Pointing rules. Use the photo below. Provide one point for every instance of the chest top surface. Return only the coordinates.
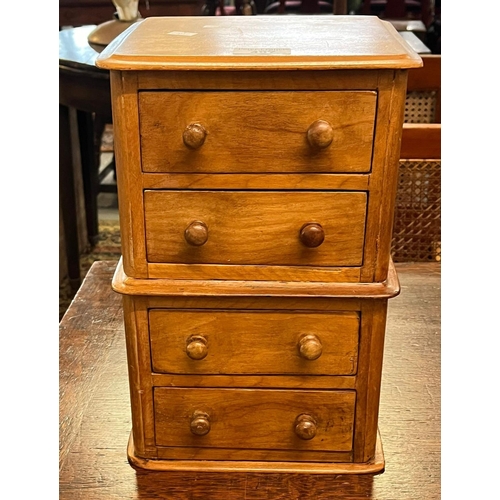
(259, 42)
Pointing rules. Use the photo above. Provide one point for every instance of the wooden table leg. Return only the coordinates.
(88, 135)
(67, 198)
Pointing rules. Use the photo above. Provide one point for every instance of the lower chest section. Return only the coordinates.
(255, 379)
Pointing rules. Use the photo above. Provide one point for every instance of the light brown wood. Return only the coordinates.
(251, 132)
(257, 272)
(254, 418)
(385, 85)
(128, 172)
(255, 381)
(307, 79)
(231, 456)
(95, 416)
(259, 42)
(256, 227)
(383, 181)
(239, 288)
(318, 182)
(254, 342)
(256, 315)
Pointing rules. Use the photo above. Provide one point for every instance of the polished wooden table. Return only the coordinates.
(95, 409)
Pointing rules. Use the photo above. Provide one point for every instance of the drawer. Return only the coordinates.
(253, 342)
(254, 418)
(253, 227)
(230, 132)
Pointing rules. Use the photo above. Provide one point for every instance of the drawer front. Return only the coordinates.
(272, 228)
(257, 131)
(253, 342)
(253, 418)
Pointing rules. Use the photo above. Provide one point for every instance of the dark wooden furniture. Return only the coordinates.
(84, 12)
(84, 108)
(400, 9)
(95, 420)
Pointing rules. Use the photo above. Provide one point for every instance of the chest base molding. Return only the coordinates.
(374, 466)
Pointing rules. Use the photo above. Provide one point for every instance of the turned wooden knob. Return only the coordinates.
(312, 235)
(197, 347)
(320, 134)
(194, 135)
(305, 426)
(310, 347)
(196, 233)
(200, 423)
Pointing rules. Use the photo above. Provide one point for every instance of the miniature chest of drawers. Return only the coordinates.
(257, 167)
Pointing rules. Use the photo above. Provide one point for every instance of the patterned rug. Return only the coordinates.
(108, 247)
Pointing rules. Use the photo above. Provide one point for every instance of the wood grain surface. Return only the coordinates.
(251, 419)
(252, 132)
(253, 342)
(255, 227)
(95, 418)
(259, 42)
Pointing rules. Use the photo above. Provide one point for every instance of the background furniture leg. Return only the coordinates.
(67, 198)
(89, 133)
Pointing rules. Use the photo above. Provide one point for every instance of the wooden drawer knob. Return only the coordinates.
(305, 426)
(194, 135)
(200, 423)
(197, 347)
(312, 235)
(320, 134)
(310, 347)
(196, 233)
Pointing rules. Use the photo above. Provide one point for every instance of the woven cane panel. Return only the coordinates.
(417, 221)
(420, 107)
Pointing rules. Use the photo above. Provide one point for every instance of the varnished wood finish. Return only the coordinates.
(195, 376)
(239, 288)
(256, 227)
(320, 134)
(194, 135)
(255, 419)
(273, 131)
(128, 172)
(318, 182)
(217, 460)
(238, 342)
(383, 167)
(196, 234)
(217, 94)
(310, 347)
(95, 418)
(326, 42)
(254, 342)
(312, 235)
(306, 426)
(196, 347)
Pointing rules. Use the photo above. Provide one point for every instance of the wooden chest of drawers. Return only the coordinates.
(257, 163)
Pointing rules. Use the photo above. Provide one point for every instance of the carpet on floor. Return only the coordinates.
(108, 247)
